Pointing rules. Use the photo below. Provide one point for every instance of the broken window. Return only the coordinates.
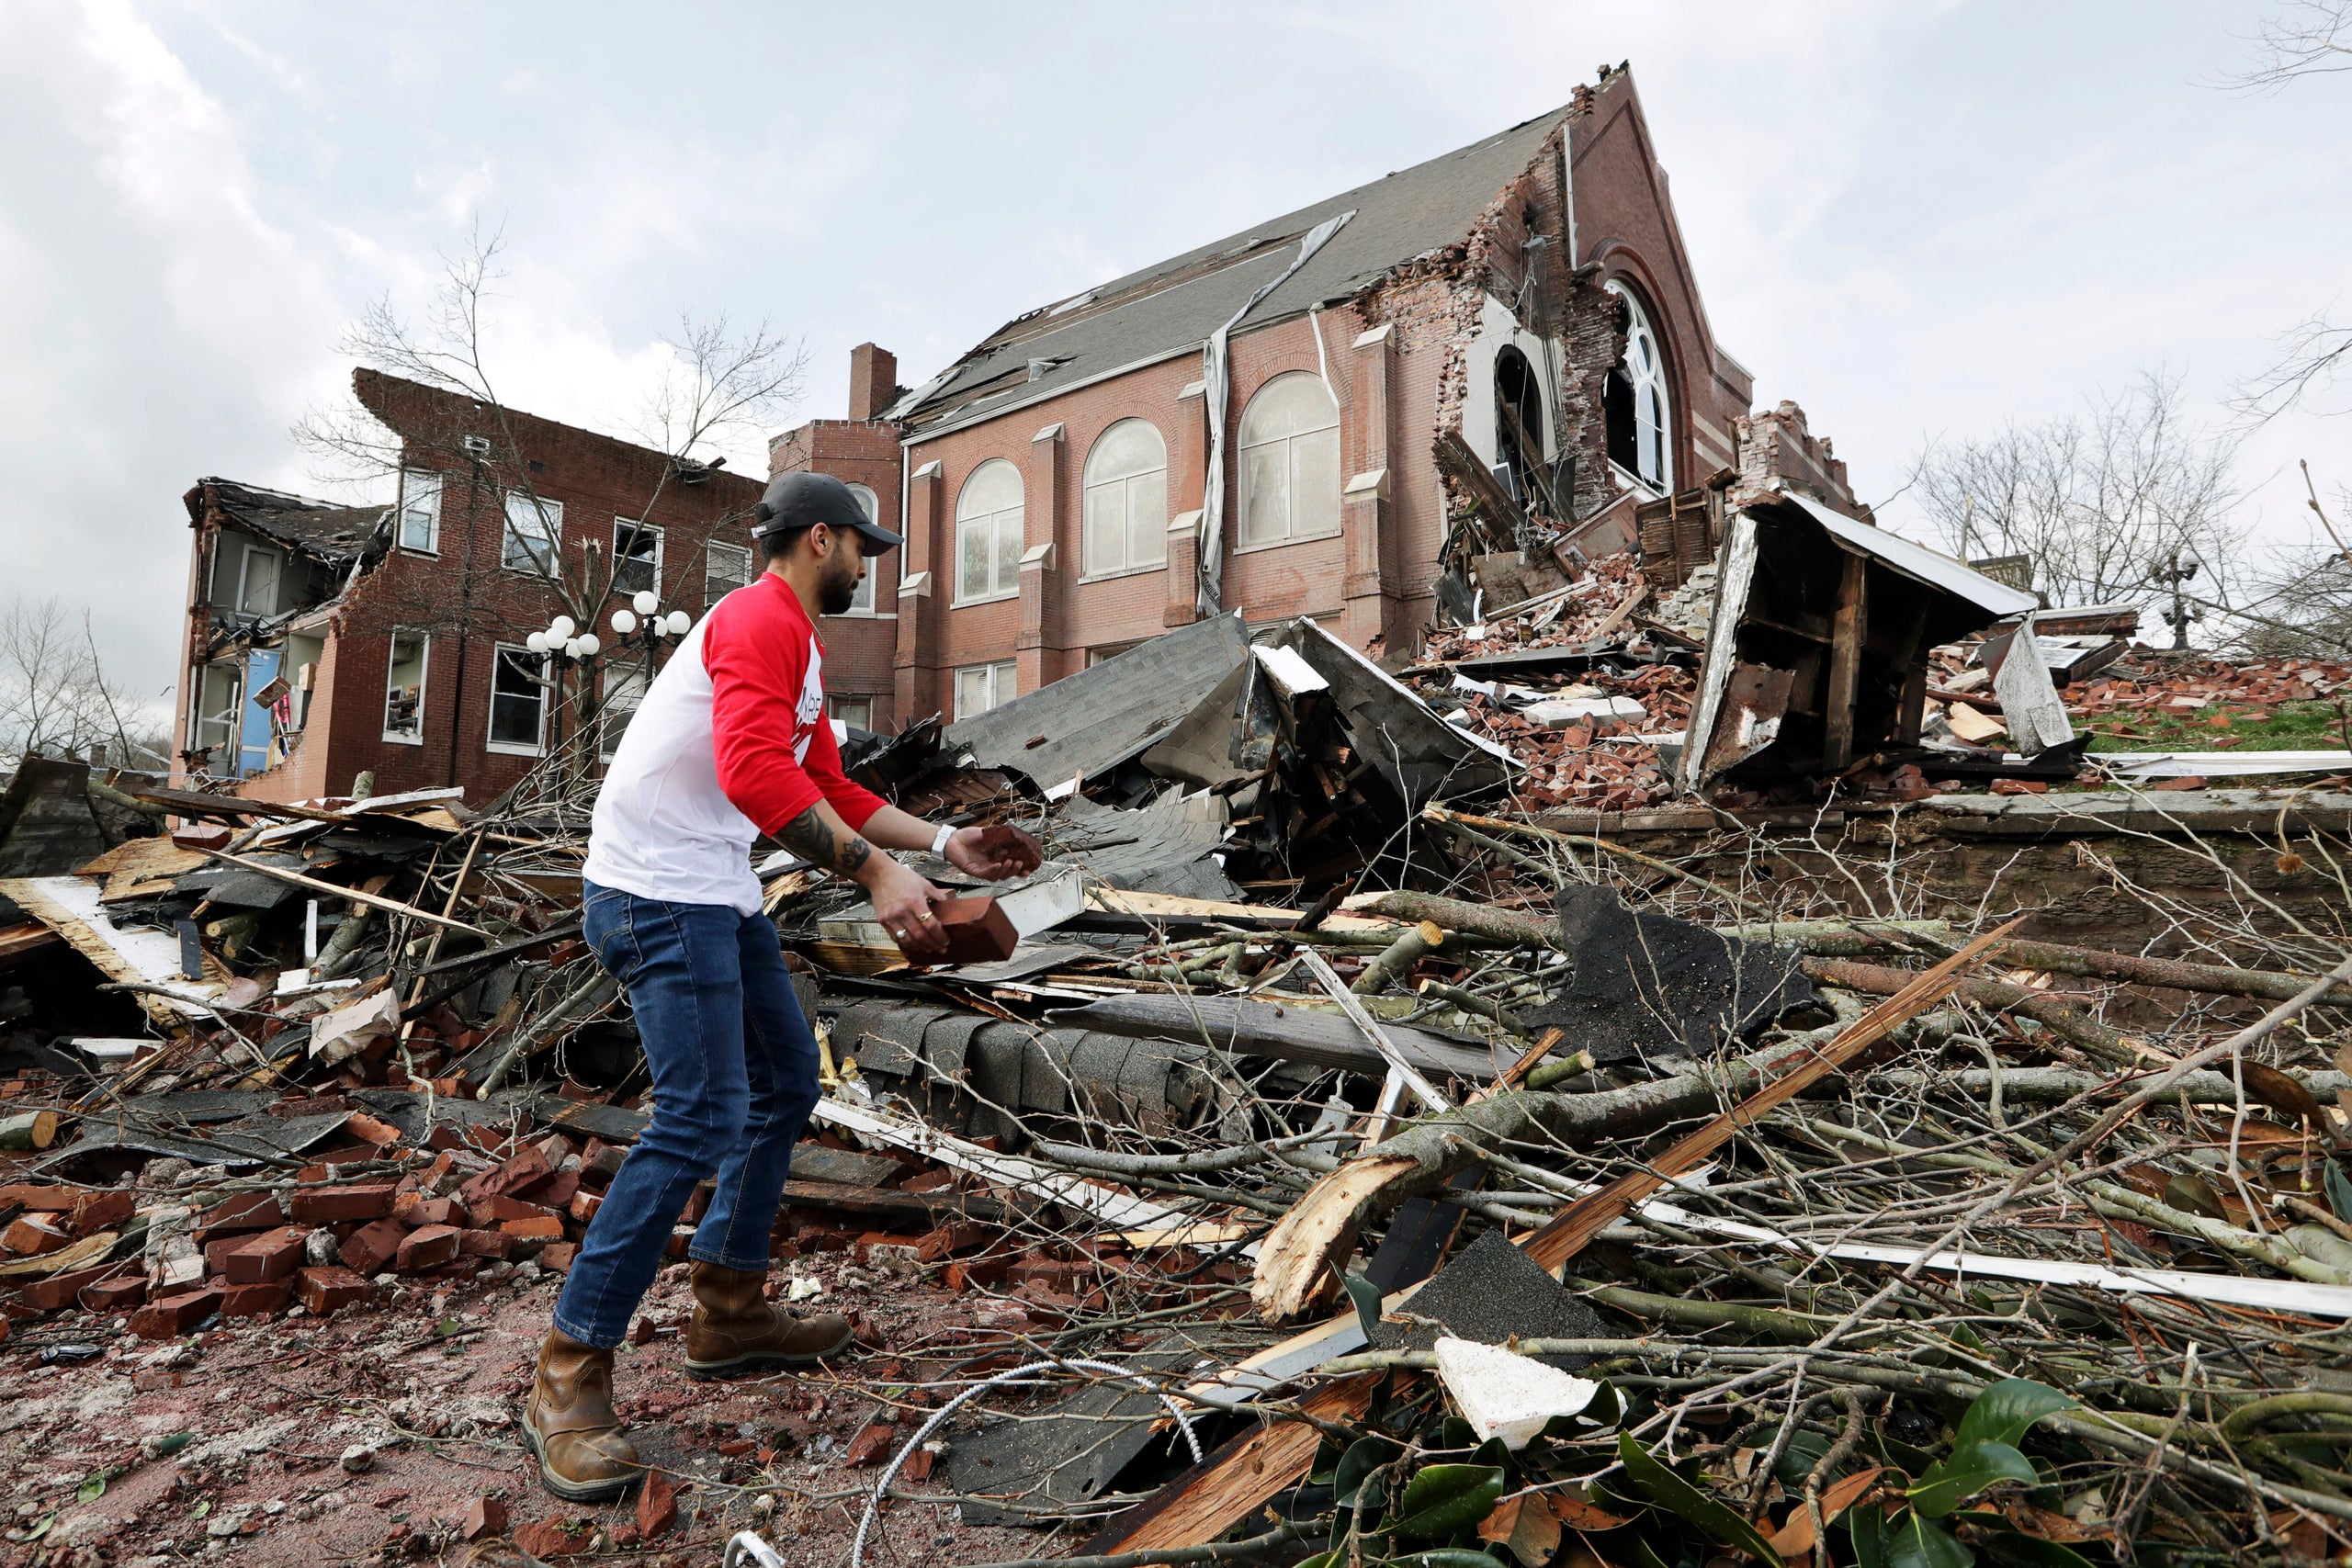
(1634, 400)
(1126, 500)
(636, 556)
(219, 714)
(624, 692)
(257, 581)
(988, 534)
(404, 688)
(518, 701)
(855, 712)
(725, 567)
(1290, 461)
(863, 604)
(1519, 425)
(421, 510)
(533, 526)
(980, 687)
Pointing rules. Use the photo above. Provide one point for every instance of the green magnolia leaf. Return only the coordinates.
(2016, 1551)
(1686, 1502)
(1321, 1560)
(1866, 1528)
(1442, 1498)
(91, 1490)
(1366, 1297)
(1967, 1472)
(2339, 1191)
(1363, 1456)
(41, 1528)
(2003, 1412)
(1447, 1557)
(1913, 1542)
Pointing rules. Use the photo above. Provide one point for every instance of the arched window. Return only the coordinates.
(988, 534)
(1634, 400)
(1126, 500)
(863, 603)
(1519, 419)
(1290, 461)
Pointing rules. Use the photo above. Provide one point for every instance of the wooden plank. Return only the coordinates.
(337, 890)
(139, 956)
(1845, 663)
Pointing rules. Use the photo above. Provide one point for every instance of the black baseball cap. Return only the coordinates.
(804, 500)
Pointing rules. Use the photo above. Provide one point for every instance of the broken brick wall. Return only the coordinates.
(859, 648)
(1777, 445)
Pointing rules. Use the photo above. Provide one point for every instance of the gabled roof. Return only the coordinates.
(1173, 306)
(319, 528)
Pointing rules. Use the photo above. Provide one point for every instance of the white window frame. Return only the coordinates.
(246, 576)
(710, 552)
(1289, 444)
(1648, 378)
(1098, 491)
(545, 524)
(1003, 679)
(624, 694)
(421, 497)
(526, 658)
(631, 525)
(423, 679)
(838, 707)
(863, 604)
(996, 522)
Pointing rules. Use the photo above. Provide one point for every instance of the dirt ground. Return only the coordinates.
(230, 1446)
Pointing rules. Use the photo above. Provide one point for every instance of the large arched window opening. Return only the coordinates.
(1519, 422)
(1290, 461)
(1633, 401)
(1126, 500)
(988, 534)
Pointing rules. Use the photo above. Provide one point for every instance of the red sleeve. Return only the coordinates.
(756, 648)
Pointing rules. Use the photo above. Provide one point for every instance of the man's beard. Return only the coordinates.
(837, 591)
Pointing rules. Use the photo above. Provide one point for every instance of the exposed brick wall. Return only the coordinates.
(1776, 444)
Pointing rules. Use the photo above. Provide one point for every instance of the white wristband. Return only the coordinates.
(939, 844)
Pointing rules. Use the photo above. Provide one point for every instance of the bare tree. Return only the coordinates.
(55, 694)
(720, 383)
(2301, 37)
(2105, 501)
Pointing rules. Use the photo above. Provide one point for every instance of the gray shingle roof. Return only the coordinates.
(319, 528)
(1176, 304)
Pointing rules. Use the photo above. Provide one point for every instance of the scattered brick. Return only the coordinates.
(657, 1506)
(545, 1228)
(519, 1177)
(681, 1238)
(870, 1446)
(560, 1192)
(370, 1248)
(40, 1200)
(558, 1256)
(366, 1129)
(273, 1254)
(497, 1211)
(32, 1235)
(557, 1537)
(977, 1273)
(60, 1291)
(584, 1205)
(434, 1211)
(487, 1516)
(327, 1205)
(122, 1295)
(94, 1212)
(917, 1467)
(485, 1244)
(329, 1290)
(173, 1316)
(259, 1299)
(428, 1247)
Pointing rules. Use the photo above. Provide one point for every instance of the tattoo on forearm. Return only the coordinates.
(807, 837)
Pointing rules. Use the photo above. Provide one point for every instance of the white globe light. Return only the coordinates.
(680, 623)
(561, 627)
(623, 622)
(645, 600)
(537, 642)
(588, 643)
(571, 648)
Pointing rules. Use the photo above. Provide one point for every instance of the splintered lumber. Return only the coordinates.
(1313, 964)
(336, 890)
(29, 1131)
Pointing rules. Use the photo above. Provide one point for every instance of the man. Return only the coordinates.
(730, 742)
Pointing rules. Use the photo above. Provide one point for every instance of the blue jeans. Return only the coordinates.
(734, 1078)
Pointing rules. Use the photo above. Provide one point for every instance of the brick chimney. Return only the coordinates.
(873, 380)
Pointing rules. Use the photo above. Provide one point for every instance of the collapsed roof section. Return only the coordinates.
(326, 532)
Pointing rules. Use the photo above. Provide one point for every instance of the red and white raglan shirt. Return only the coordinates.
(730, 742)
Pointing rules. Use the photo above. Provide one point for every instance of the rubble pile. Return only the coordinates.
(1337, 1161)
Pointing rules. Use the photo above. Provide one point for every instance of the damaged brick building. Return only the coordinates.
(327, 641)
(1262, 423)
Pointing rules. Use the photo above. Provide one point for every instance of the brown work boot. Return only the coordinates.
(736, 1330)
(570, 1422)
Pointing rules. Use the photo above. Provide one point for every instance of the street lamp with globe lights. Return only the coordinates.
(637, 625)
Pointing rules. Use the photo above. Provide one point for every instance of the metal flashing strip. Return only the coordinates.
(1915, 560)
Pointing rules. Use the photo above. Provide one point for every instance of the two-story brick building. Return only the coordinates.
(327, 641)
(1254, 423)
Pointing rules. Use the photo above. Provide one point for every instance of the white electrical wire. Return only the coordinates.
(882, 1484)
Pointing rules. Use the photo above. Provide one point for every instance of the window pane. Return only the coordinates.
(862, 603)
(636, 556)
(866, 499)
(1288, 405)
(1315, 494)
(724, 568)
(971, 692)
(1265, 506)
(1106, 509)
(517, 701)
(1008, 551)
(404, 688)
(532, 529)
(1127, 448)
(973, 540)
(258, 595)
(1147, 497)
(420, 511)
(995, 485)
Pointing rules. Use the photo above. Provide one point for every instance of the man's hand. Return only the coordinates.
(994, 854)
(902, 902)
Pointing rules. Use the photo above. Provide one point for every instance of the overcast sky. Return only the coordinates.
(1914, 219)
